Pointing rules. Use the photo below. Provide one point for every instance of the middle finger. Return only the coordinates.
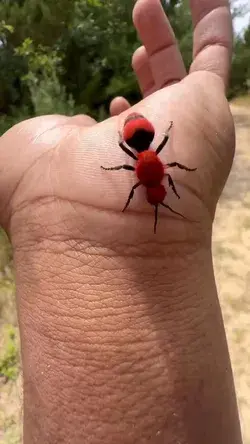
(157, 36)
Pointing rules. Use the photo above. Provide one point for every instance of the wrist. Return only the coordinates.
(137, 338)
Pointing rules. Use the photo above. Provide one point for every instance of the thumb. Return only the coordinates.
(20, 148)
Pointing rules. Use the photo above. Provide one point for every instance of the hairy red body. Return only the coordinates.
(135, 122)
(138, 133)
(149, 168)
(156, 195)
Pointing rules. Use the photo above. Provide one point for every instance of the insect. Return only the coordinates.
(138, 134)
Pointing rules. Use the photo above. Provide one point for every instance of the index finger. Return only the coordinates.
(213, 37)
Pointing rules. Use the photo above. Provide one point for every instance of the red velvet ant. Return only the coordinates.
(138, 133)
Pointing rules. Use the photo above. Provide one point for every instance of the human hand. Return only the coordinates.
(198, 98)
(197, 104)
(122, 338)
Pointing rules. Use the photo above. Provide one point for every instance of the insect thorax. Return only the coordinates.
(149, 169)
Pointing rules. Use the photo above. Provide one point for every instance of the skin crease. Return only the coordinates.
(121, 331)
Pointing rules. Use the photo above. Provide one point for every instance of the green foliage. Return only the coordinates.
(5, 30)
(11, 69)
(240, 75)
(240, 68)
(98, 48)
(9, 360)
(15, 116)
(44, 21)
(5, 250)
(181, 21)
(47, 93)
(75, 55)
(41, 60)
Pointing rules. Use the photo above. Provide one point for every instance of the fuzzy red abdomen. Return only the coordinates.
(156, 195)
(149, 169)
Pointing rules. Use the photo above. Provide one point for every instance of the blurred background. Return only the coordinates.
(74, 56)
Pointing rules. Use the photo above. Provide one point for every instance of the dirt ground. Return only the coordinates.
(231, 252)
(231, 249)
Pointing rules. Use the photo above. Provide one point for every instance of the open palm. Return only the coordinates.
(51, 164)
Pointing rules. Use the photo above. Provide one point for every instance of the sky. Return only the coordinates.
(241, 22)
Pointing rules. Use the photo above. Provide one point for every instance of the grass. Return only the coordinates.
(9, 366)
(10, 374)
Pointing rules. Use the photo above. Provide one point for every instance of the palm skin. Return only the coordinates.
(59, 158)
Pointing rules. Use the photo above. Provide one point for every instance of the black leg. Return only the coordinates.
(156, 218)
(131, 195)
(179, 165)
(175, 212)
(165, 139)
(172, 185)
(120, 167)
(124, 148)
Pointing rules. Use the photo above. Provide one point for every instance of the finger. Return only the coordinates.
(83, 120)
(143, 72)
(213, 37)
(118, 105)
(158, 38)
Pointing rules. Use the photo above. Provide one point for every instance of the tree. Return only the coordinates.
(75, 55)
